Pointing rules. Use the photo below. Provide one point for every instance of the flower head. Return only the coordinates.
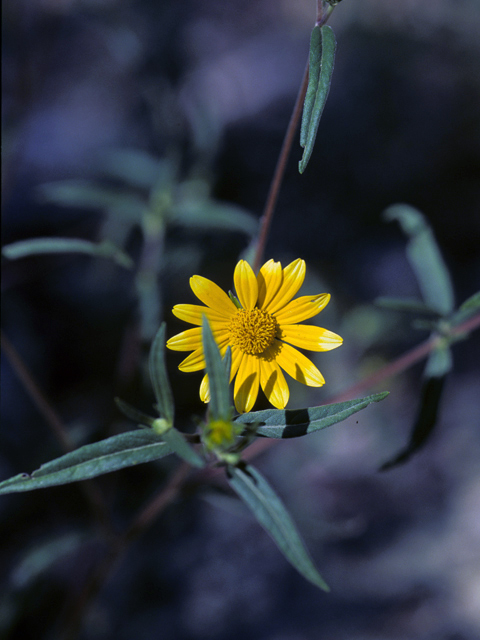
(262, 333)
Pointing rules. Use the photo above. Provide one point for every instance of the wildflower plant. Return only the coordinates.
(246, 340)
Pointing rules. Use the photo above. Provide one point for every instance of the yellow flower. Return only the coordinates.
(260, 333)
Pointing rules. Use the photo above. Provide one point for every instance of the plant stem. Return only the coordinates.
(89, 489)
(277, 179)
(116, 551)
(275, 185)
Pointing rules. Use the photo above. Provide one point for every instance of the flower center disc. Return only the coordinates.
(252, 331)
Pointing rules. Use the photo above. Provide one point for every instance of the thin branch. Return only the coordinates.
(117, 549)
(277, 179)
(399, 365)
(275, 185)
(90, 490)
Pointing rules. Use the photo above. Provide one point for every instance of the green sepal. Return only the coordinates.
(292, 423)
(177, 443)
(271, 513)
(43, 246)
(91, 460)
(425, 258)
(159, 377)
(320, 70)
(218, 371)
(234, 299)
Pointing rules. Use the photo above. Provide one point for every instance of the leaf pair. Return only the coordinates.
(437, 292)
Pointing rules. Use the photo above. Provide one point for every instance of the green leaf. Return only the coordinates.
(159, 377)
(218, 375)
(38, 246)
(118, 452)
(271, 513)
(86, 195)
(134, 414)
(439, 362)
(210, 215)
(180, 446)
(469, 308)
(425, 258)
(292, 423)
(135, 167)
(194, 207)
(322, 59)
(408, 305)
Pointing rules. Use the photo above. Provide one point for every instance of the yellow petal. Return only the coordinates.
(245, 285)
(302, 308)
(298, 366)
(188, 340)
(273, 383)
(211, 295)
(191, 339)
(269, 279)
(293, 277)
(194, 362)
(193, 313)
(205, 389)
(309, 337)
(246, 383)
(236, 359)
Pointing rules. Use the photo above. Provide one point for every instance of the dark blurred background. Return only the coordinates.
(206, 89)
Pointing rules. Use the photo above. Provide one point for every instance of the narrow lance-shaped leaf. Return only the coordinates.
(87, 195)
(320, 70)
(159, 377)
(134, 414)
(438, 365)
(407, 305)
(210, 215)
(39, 246)
(469, 308)
(425, 258)
(118, 452)
(271, 513)
(218, 375)
(292, 423)
(180, 446)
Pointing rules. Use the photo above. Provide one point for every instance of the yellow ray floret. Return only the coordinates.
(262, 333)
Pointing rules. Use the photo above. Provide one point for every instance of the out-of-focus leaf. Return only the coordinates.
(425, 258)
(438, 365)
(39, 246)
(86, 195)
(271, 513)
(439, 362)
(218, 375)
(124, 450)
(42, 556)
(320, 70)
(135, 167)
(210, 215)
(159, 377)
(180, 446)
(134, 414)
(468, 309)
(292, 423)
(408, 305)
